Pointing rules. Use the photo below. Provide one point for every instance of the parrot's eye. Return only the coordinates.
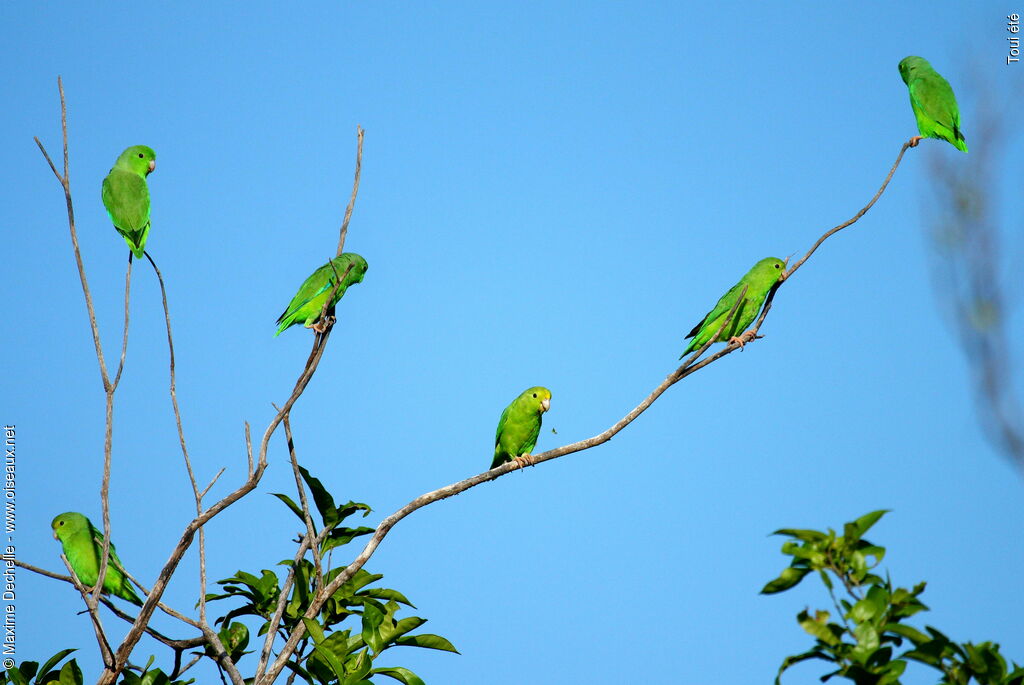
(776, 266)
(60, 522)
(535, 395)
(140, 155)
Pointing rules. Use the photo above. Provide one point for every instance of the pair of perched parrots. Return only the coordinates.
(126, 197)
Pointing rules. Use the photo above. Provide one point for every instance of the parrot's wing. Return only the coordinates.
(934, 97)
(310, 289)
(723, 306)
(126, 197)
(531, 439)
(501, 424)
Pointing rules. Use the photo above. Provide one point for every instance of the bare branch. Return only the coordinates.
(310, 531)
(212, 481)
(124, 338)
(101, 637)
(355, 191)
(856, 217)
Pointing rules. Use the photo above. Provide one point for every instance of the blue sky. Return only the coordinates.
(553, 193)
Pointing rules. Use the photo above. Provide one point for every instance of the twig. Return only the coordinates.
(124, 339)
(856, 217)
(282, 600)
(184, 447)
(94, 615)
(310, 531)
(355, 191)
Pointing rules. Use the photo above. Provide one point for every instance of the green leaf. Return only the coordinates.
(317, 633)
(818, 628)
(873, 605)
(16, 676)
(911, 633)
(385, 593)
(797, 658)
(50, 663)
(155, 677)
(300, 671)
(864, 523)
(314, 630)
(372, 619)
(322, 498)
(805, 535)
(867, 642)
(70, 674)
(402, 675)
(788, 578)
(427, 641)
(359, 669)
(342, 536)
(296, 509)
(406, 625)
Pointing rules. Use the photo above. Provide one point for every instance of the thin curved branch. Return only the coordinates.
(304, 503)
(124, 337)
(686, 369)
(856, 217)
(355, 191)
(197, 495)
(94, 614)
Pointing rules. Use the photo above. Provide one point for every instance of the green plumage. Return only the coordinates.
(305, 307)
(933, 102)
(519, 425)
(83, 546)
(126, 196)
(758, 281)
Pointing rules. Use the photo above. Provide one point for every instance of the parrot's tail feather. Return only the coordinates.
(960, 141)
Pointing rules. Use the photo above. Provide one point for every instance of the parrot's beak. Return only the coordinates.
(152, 166)
(55, 536)
(545, 404)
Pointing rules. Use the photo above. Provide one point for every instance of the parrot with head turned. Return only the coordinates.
(933, 102)
(126, 196)
(307, 304)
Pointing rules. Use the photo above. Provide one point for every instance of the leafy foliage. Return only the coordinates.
(30, 673)
(328, 653)
(871, 614)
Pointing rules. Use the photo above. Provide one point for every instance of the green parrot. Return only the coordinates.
(306, 305)
(933, 102)
(126, 196)
(758, 281)
(83, 546)
(519, 427)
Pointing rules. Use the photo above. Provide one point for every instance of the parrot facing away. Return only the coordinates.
(519, 427)
(83, 546)
(933, 102)
(306, 305)
(758, 281)
(126, 196)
